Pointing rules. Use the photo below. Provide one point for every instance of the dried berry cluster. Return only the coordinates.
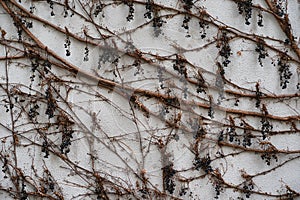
(157, 24)
(168, 173)
(260, 20)
(51, 3)
(179, 66)
(280, 7)
(47, 182)
(266, 127)
(185, 24)
(66, 12)
(233, 137)
(188, 4)
(248, 187)
(28, 24)
(32, 9)
(131, 11)
(33, 111)
(258, 95)
(139, 69)
(267, 157)
(183, 191)
(19, 30)
(66, 140)
(24, 194)
(149, 10)
(262, 53)
(67, 45)
(46, 66)
(67, 133)
(284, 71)
(203, 27)
(98, 9)
(86, 54)
(8, 106)
(45, 149)
(51, 103)
(245, 7)
(203, 163)
(247, 136)
(221, 136)
(4, 166)
(218, 190)
(225, 49)
(34, 65)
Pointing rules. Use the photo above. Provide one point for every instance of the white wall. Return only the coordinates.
(125, 111)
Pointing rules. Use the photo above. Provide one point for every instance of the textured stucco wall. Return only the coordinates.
(128, 145)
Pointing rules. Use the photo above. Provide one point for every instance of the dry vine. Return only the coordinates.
(92, 109)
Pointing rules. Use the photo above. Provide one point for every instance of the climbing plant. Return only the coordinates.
(149, 99)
